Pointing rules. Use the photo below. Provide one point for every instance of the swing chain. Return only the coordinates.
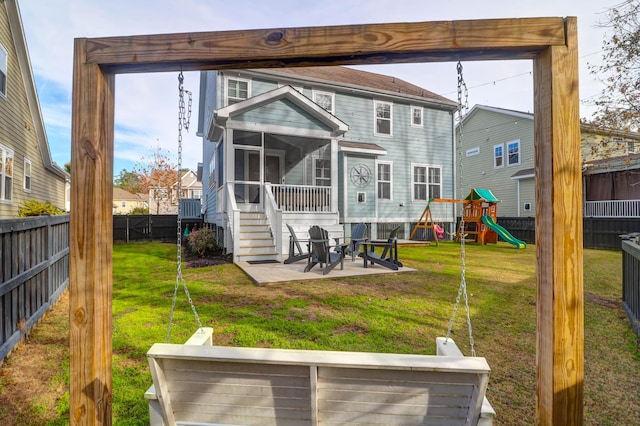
(462, 290)
(183, 122)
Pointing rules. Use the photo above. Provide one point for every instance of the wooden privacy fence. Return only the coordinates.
(631, 281)
(34, 271)
(149, 227)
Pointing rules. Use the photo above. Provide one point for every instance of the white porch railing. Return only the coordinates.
(301, 198)
(612, 208)
(274, 215)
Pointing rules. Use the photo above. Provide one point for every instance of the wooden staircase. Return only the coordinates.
(256, 238)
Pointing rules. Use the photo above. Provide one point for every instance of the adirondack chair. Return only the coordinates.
(200, 384)
(389, 255)
(358, 235)
(295, 249)
(322, 253)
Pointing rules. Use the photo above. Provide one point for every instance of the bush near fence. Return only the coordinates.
(34, 271)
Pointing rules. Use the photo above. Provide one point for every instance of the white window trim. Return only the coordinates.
(3, 154)
(375, 119)
(330, 94)
(5, 68)
(495, 166)
(361, 197)
(427, 183)
(30, 175)
(390, 163)
(226, 87)
(516, 141)
(417, 108)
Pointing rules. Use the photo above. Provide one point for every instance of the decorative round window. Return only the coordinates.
(360, 175)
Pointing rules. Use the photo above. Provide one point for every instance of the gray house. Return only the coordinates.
(328, 146)
(498, 154)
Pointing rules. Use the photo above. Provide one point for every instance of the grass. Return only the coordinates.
(387, 313)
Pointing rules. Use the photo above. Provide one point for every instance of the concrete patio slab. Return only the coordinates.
(279, 272)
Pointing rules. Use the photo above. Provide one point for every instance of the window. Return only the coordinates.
(513, 151)
(426, 182)
(324, 99)
(383, 111)
(6, 174)
(498, 156)
(527, 207)
(323, 172)
(124, 204)
(3, 71)
(383, 178)
(416, 116)
(27, 174)
(237, 90)
(361, 197)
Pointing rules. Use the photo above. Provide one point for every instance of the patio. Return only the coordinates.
(279, 272)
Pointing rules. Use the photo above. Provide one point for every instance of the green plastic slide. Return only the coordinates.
(503, 233)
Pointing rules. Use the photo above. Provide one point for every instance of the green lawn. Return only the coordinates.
(402, 312)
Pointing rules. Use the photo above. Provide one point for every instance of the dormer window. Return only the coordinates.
(238, 90)
(324, 99)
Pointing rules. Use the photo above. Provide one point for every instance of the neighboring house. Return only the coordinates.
(328, 146)
(498, 154)
(26, 168)
(124, 202)
(163, 201)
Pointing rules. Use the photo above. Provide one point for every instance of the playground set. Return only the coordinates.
(479, 211)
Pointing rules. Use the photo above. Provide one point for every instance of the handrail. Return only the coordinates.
(274, 215)
(233, 218)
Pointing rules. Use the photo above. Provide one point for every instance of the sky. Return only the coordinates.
(146, 112)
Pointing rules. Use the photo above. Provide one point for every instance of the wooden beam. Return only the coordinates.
(307, 46)
(91, 240)
(560, 343)
(553, 47)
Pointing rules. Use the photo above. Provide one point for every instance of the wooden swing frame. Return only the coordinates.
(550, 42)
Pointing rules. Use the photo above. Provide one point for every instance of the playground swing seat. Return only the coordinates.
(199, 384)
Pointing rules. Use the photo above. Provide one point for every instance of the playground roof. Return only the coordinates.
(480, 194)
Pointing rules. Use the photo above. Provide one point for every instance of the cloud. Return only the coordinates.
(146, 104)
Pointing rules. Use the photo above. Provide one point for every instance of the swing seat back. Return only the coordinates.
(210, 385)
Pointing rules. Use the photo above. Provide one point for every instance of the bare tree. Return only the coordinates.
(619, 102)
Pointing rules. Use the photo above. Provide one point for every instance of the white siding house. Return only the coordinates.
(328, 146)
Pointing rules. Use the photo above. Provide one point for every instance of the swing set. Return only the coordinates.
(330, 387)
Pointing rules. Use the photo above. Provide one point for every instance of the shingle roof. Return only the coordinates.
(361, 78)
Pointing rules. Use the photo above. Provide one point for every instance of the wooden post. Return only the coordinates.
(560, 343)
(91, 230)
(550, 42)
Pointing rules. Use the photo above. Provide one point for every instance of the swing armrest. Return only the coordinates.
(447, 347)
(202, 337)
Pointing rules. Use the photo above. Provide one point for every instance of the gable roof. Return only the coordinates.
(509, 112)
(19, 40)
(221, 115)
(362, 79)
(120, 194)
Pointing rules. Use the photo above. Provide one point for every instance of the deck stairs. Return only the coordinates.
(256, 238)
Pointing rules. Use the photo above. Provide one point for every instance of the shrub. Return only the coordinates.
(140, 210)
(38, 208)
(203, 242)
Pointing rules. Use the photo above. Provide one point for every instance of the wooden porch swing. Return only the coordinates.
(552, 45)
